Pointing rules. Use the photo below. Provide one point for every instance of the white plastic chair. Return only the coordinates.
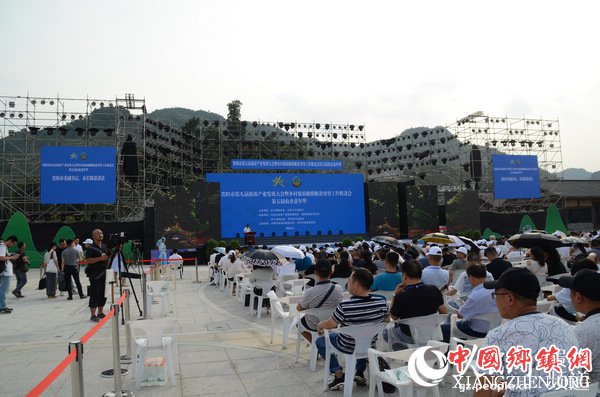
(342, 281)
(591, 392)
(321, 314)
(266, 287)
(405, 385)
(422, 329)
(456, 275)
(388, 295)
(296, 286)
(244, 287)
(213, 271)
(159, 289)
(363, 335)
(149, 337)
(288, 317)
(544, 306)
(493, 319)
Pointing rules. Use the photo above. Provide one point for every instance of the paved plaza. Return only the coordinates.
(223, 351)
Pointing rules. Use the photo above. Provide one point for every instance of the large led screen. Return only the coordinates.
(78, 175)
(516, 177)
(422, 210)
(384, 210)
(294, 204)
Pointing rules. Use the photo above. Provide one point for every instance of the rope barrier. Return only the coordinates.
(55, 373)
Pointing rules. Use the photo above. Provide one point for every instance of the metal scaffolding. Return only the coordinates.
(513, 136)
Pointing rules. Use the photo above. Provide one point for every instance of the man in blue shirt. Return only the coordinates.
(480, 301)
(434, 274)
(392, 277)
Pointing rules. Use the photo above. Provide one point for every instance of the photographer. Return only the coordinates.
(97, 262)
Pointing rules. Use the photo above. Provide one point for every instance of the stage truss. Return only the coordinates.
(513, 136)
(166, 155)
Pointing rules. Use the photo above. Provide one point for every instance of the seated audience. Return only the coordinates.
(388, 280)
(434, 274)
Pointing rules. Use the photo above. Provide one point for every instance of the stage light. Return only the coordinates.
(360, 127)
(43, 102)
(93, 131)
(326, 126)
(1, 115)
(33, 130)
(216, 123)
(51, 102)
(49, 130)
(12, 115)
(63, 130)
(494, 142)
(93, 103)
(108, 131)
(79, 131)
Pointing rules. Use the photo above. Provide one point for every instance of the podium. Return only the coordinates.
(249, 238)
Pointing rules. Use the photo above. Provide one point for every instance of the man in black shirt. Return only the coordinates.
(413, 299)
(497, 265)
(97, 262)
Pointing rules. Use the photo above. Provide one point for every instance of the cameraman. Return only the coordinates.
(97, 263)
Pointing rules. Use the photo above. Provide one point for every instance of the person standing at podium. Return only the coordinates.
(247, 229)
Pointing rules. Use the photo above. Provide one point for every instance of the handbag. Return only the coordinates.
(42, 282)
(51, 267)
(62, 284)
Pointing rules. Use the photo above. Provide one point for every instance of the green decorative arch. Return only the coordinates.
(488, 232)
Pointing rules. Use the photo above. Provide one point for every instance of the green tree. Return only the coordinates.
(234, 110)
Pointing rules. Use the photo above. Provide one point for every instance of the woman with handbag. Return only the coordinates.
(50, 264)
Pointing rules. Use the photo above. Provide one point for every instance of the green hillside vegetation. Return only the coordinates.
(177, 117)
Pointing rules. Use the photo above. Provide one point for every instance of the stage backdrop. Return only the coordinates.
(422, 210)
(384, 210)
(291, 204)
(462, 211)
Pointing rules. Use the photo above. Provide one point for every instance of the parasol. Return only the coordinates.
(264, 258)
(529, 240)
(438, 238)
(389, 241)
(288, 251)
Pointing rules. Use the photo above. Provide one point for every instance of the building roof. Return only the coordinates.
(573, 188)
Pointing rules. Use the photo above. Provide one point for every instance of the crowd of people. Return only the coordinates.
(491, 277)
(61, 269)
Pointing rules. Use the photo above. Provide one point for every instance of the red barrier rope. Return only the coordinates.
(55, 373)
(161, 260)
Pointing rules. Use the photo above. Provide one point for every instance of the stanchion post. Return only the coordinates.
(144, 295)
(116, 350)
(196, 266)
(127, 319)
(77, 369)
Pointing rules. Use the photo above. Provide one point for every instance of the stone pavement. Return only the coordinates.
(222, 350)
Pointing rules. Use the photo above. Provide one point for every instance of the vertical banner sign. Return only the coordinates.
(78, 175)
(516, 177)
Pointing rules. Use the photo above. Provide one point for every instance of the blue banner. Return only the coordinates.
(516, 177)
(256, 164)
(78, 175)
(291, 203)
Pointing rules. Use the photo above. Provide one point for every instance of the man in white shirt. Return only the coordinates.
(7, 272)
(434, 274)
(175, 259)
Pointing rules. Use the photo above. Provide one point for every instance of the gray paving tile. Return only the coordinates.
(223, 384)
(256, 381)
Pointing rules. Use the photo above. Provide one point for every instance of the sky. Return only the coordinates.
(390, 65)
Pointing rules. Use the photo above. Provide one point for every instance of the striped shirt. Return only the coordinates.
(358, 310)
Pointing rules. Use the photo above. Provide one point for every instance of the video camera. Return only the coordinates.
(117, 238)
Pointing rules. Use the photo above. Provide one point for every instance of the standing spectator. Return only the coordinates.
(20, 268)
(585, 296)
(6, 271)
(70, 263)
(361, 308)
(344, 268)
(79, 249)
(51, 266)
(62, 245)
(97, 262)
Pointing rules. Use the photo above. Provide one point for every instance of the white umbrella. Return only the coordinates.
(288, 251)
(457, 242)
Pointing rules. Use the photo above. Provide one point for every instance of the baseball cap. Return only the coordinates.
(518, 280)
(585, 282)
(88, 241)
(462, 250)
(302, 248)
(232, 252)
(330, 251)
(435, 251)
